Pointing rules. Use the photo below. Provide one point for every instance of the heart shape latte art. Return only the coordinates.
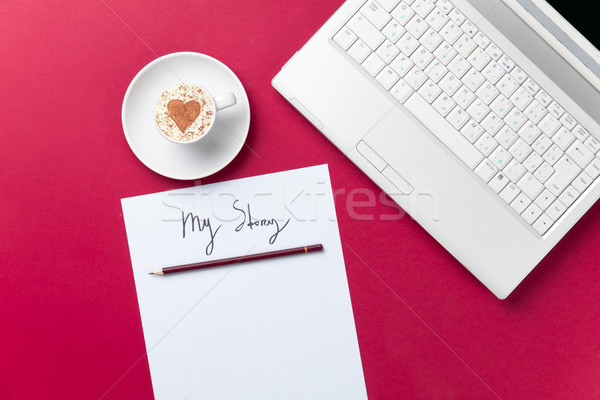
(184, 114)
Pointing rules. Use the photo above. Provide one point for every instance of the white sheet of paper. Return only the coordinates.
(280, 328)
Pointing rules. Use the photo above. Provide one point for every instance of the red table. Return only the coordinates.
(70, 322)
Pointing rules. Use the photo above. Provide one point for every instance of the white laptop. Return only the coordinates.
(480, 118)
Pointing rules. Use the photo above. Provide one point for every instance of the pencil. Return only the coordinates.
(238, 259)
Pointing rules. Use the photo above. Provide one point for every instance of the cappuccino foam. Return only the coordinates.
(184, 112)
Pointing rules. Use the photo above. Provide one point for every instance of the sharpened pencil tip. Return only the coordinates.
(150, 273)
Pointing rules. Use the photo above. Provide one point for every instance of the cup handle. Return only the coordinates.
(227, 100)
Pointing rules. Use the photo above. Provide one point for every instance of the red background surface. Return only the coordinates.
(70, 322)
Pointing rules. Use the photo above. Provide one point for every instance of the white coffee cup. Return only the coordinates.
(186, 112)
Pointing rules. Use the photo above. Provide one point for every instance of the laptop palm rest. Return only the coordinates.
(405, 147)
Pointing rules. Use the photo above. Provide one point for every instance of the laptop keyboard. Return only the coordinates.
(478, 102)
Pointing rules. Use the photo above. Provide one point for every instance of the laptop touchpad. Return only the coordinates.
(405, 146)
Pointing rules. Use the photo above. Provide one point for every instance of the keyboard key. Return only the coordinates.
(545, 199)
(556, 110)
(421, 57)
(506, 137)
(436, 19)
(544, 172)
(531, 86)
(464, 97)
(464, 45)
(592, 144)
(388, 5)
(500, 157)
(373, 64)
(443, 105)
(459, 66)
(501, 106)
(486, 144)
(535, 112)
(530, 186)
(580, 133)
(457, 17)
(478, 110)
(549, 125)
(498, 182)
(518, 75)
(543, 98)
(582, 182)
(542, 144)
(366, 31)
(469, 28)
(345, 38)
(506, 63)
(515, 119)
(403, 13)
(521, 99)
(444, 5)
(509, 193)
(486, 170)
(436, 71)
(520, 203)
(514, 170)
(407, 44)
(531, 213)
(393, 31)
(451, 32)
(493, 72)
(450, 84)
(472, 131)
(401, 91)
(542, 224)
(359, 51)
(430, 91)
(487, 93)
(492, 123)
(415, 77)
(569, 196)
(387, 77)
(566, 170)
(445, 53)
(553, 154)
(376, 14)
(580, 154)
(507, 85)
(529, 133)
(431, 40)
(402, 64)
(423, 7)
(568, 121)
(479, 59)
(416, 26)
(387, 51)
(593, 168)
(481, 40)
(494, 52)
(458, 118)
(533, 162)
(473, 79)
(520, 150)
(563, 138)
(556, 210)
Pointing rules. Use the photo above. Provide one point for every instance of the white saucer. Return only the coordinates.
(184, 161)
